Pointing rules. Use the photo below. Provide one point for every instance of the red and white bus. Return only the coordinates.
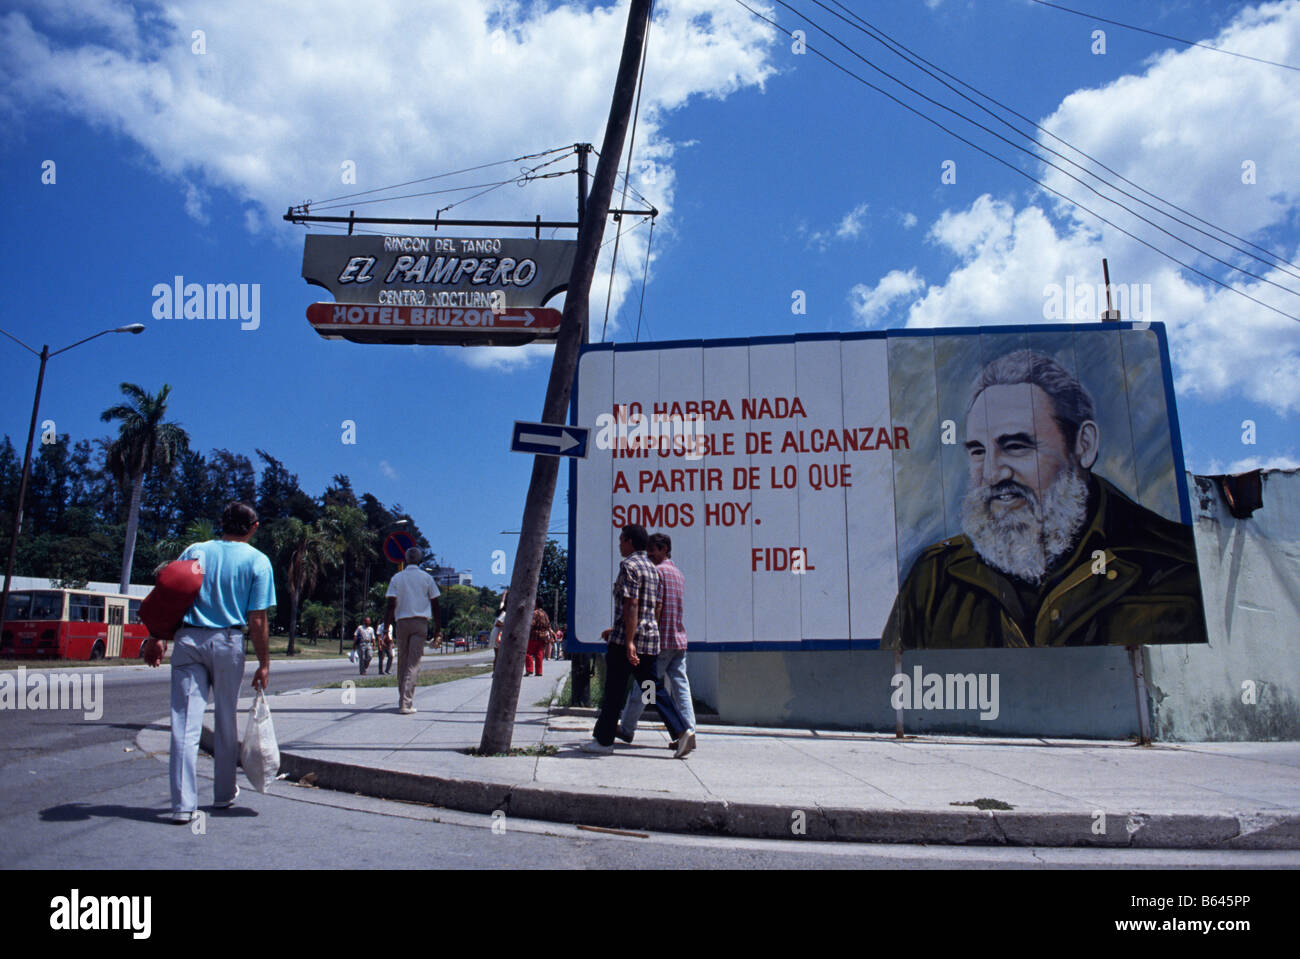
(71, 624)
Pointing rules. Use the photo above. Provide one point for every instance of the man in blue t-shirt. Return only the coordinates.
(238, 588)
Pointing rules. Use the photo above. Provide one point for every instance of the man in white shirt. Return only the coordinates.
(412, 599)
(363, 641)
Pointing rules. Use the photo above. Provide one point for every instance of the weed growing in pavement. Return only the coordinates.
(538, 750)
(984, 804)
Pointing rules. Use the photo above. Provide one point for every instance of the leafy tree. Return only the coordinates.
(231, 479)
(305, 553)
(193, 498)
(353, 541)
(198, 531)
(339, 493)
(279, 496)
(553, 582)
(143, 436)
(318, 619)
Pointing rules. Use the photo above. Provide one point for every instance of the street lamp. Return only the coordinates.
(44, 356)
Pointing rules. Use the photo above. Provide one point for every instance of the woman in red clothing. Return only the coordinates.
(539, 642)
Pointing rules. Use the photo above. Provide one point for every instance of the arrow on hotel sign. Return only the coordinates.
(370, 323)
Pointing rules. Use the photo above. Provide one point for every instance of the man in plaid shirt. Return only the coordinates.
(672, 656)
(634, 645)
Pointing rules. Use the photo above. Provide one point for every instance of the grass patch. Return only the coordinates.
(539, 750)
(431, 677)
(596, 688)
(984, 804)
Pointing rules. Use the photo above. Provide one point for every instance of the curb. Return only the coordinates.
(817, 823)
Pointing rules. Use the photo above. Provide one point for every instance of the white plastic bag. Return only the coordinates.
(260, 754)
(352, 656)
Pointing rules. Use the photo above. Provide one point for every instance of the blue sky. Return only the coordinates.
(774, 173)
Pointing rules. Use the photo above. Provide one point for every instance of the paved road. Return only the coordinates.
(135, 695)
(82, 795)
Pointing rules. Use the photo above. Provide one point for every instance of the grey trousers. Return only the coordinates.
(411, 635)
(204, 660)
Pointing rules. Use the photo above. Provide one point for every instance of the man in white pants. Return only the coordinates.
(412, 600)
(238, 589)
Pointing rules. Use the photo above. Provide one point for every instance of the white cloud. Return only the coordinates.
(194, 202)
(870, 303)
(280, 100)
(851, 225)
(1182, 128)
(849, 228)
(1215, 467)
(386, 468)
(908, 220)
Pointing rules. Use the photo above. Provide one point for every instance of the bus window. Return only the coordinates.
(133, 611)
(20, 606)
(47, 605)
(85, 608)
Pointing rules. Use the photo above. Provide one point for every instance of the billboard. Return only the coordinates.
(952, 488)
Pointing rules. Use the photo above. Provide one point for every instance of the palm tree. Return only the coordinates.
(143, 439)
(304, 552)
(198, 531)
(353, 540)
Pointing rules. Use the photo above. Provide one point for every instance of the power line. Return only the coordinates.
(1086, 186)
(1166, 36)
(644, 276)
(636, 115)
(443, 176)
(911, 56)
(1016, 169)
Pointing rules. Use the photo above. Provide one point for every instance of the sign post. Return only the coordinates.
(498, 728)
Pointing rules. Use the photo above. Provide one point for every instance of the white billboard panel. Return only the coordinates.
(955, 488)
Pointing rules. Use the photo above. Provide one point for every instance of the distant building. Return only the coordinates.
(446, 576)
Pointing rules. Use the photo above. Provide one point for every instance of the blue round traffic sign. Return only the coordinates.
(396, 545)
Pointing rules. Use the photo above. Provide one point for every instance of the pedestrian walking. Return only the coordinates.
(363, 641)
(634, 645)
(671, 665)
(539, 642)
(498, 627)
(384, 649)
(238, 588)
(412, 600)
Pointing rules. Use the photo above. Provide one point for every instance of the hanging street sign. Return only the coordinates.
(439, 271)
(549, 439)
(367, 323)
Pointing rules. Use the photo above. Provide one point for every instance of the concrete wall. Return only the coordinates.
(1041, 692)
(1250, 574)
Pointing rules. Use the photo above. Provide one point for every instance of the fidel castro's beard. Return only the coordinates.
(1027, 543)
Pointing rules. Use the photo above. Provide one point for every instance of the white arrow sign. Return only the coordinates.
(564, 442)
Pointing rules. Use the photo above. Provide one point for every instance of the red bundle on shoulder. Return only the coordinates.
(174, 592)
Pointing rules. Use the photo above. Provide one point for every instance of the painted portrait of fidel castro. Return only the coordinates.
(1051, 553)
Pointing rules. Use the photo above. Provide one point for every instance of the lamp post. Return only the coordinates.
(44, 356)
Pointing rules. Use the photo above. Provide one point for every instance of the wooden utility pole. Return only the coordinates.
(498, 729)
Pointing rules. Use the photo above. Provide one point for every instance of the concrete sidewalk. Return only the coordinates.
(791, 783)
